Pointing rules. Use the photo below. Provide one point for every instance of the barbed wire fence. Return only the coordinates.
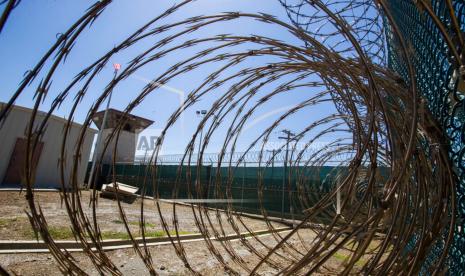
(341, 57)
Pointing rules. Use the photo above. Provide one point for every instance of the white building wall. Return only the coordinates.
(125, 150)
(48, 172)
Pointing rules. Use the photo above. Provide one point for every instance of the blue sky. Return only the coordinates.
(33, 27)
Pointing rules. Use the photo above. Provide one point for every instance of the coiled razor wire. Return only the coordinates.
(381, 117)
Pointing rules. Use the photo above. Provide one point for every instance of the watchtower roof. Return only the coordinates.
(132, 123)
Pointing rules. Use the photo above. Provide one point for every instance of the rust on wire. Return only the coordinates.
(397, 192)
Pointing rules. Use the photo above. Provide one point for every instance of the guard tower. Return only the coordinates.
(126, 147)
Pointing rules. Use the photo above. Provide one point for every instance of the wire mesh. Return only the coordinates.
(398, 195)
(434, 32)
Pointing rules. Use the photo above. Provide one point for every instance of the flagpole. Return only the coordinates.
(99, 135)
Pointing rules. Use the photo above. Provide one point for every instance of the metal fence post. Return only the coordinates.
(210, 179)
(288, 138)
(283, 188)
(243, 183)
(291, 206)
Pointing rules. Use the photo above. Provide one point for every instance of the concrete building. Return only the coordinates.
(47, 154)
(133, 125)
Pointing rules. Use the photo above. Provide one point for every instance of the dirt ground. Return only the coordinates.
(164, 259)
(14, 225)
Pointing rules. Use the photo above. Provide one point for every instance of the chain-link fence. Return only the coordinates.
(440, 81)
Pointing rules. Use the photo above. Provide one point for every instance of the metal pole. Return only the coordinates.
(272, 169)
(99, 138)
(291, 201)
(284, 174)
(210, 180)
(243, 182)
(272, 162)
(201, 113)
(200, 144)
(288, 139)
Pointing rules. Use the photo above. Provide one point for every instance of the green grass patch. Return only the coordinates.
(342, 257)
(155, 234)
(65, 232)
(146, 224)
(61, 233)
(5, 222)
(57, 233)
(135, 223)
(115, 235)
(149, 234)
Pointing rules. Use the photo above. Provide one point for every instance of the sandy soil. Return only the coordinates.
(164, 258)
(14, 225)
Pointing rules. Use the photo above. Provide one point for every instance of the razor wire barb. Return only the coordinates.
(393, 222)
